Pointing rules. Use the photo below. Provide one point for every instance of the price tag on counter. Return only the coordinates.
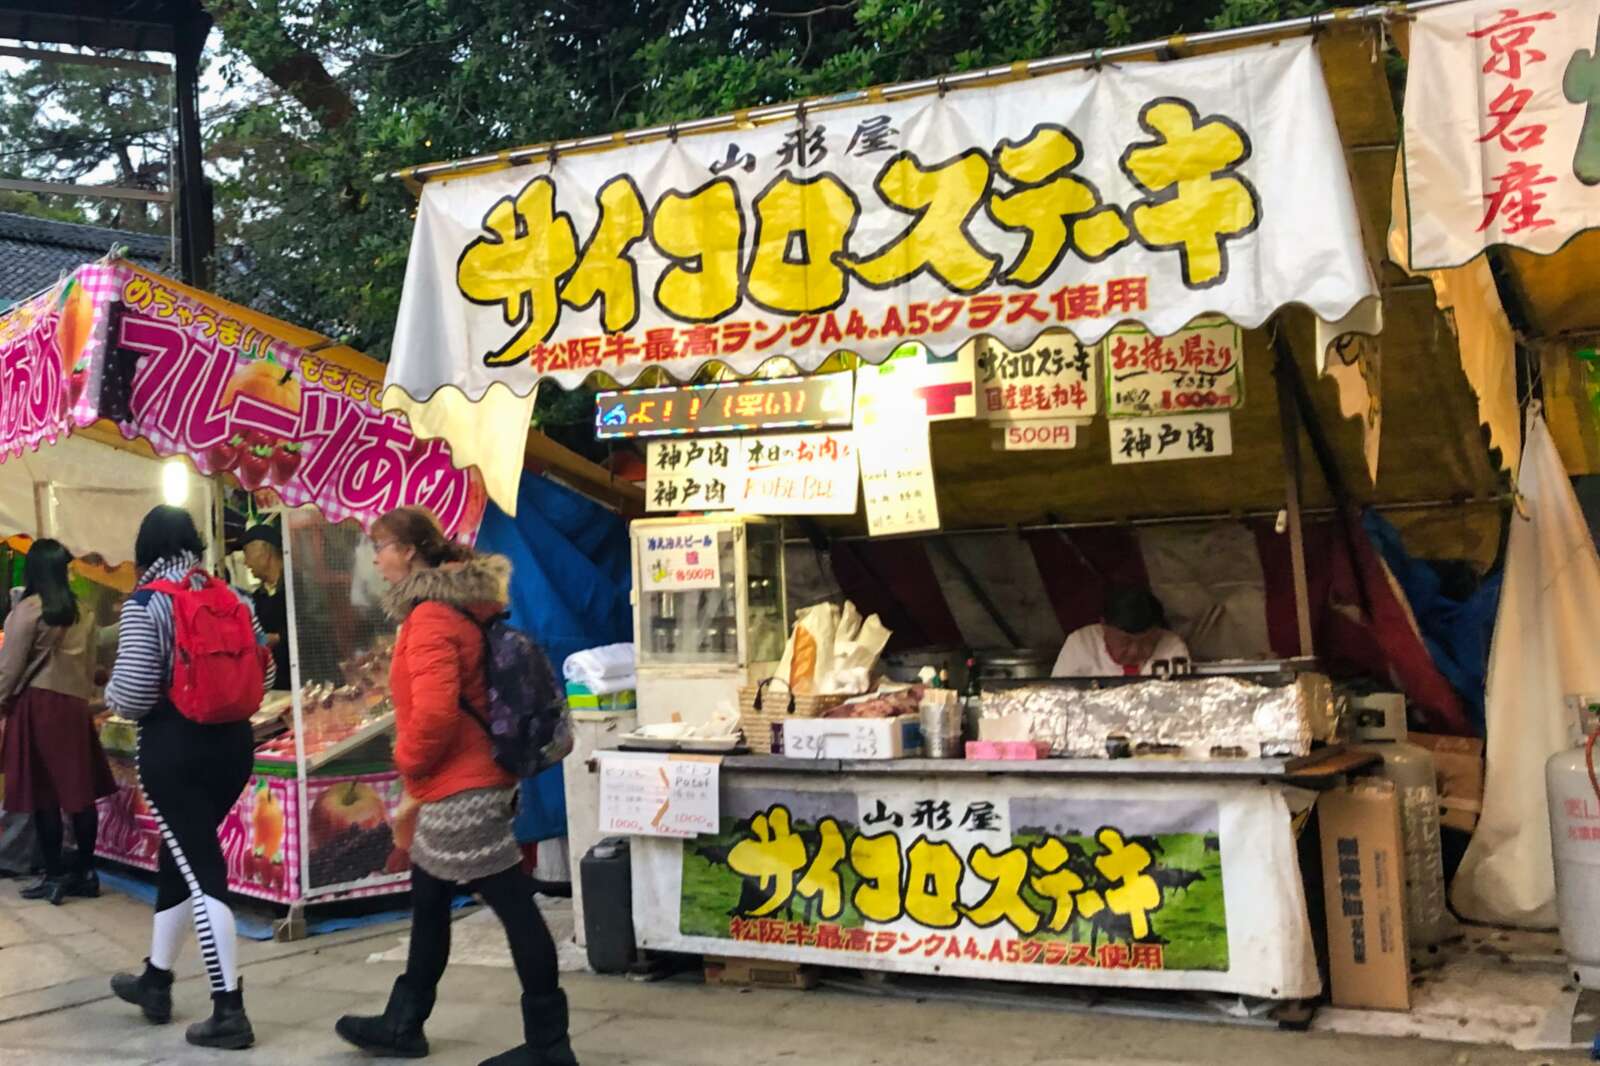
(659, 795)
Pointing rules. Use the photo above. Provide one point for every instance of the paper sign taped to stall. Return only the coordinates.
(1051, 379)
(1039, 436)
(1153, 440)
(799, 473)
(1198, 368)
(692, 475)
(681, 560)
(659, 795)
(897, 477)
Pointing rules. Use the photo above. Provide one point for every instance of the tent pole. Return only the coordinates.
(1289, 421)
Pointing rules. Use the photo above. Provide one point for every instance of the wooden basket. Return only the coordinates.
(761, 714)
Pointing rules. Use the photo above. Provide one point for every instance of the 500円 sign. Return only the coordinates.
(1149, 192)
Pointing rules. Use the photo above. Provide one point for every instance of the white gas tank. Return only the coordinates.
(1575, 840)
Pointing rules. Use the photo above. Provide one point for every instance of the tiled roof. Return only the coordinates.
(34, 252)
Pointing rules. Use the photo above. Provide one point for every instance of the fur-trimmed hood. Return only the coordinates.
(480, 581)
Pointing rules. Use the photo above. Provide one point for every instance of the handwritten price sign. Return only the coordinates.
(659, 795)
(1198, 369)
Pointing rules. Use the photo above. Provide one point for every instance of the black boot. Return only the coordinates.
(151, 992)
(397, 1032)
(52, 889)
(544, 1025)
(228, 1028)
(85, 884)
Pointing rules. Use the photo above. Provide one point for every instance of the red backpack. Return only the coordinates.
(219, 669)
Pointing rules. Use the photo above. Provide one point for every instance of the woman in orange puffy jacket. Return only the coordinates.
(442, 594)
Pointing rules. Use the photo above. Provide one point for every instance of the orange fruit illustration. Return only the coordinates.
(75, 325)
(266, 828)
(267, 381)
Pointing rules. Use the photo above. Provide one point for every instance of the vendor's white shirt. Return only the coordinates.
(1084, 654)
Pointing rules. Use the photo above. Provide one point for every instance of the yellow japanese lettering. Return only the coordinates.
(702, 232)
(822, 880)
(519, 265)
(1055, 210)
(943, 199)
(1136, 893)
(876, 860)
(604, 269)
(800, 227)
(1056, 882)
(933, 884)
(1005, 871)
(1195, 202)
(771, 856)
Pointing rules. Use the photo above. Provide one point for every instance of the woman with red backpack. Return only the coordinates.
(192, 665)
(463, 800)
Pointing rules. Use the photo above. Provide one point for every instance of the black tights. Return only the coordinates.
(510, 895)
(85, 828)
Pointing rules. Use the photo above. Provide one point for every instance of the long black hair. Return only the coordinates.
(44, 574)
(166, 532)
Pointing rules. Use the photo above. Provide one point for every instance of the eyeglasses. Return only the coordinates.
(378, 546)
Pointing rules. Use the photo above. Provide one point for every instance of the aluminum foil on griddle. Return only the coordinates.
(1197, 718)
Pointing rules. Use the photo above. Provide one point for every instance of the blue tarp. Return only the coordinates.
(1456, 632)
(570, 579)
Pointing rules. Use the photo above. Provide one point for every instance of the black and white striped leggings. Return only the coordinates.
(192, 775)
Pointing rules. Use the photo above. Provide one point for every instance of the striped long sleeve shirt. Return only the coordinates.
(143, 670)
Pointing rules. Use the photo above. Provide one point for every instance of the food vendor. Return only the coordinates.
(263, 554)
(1131, 640)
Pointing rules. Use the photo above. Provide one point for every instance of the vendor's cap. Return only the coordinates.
(1133, 609)
(266, 533)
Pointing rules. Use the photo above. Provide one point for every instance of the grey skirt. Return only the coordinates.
(467, 836)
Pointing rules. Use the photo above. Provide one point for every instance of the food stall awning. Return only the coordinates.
(177, 371)
(1142, 192)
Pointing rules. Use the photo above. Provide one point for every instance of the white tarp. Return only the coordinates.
(1501, 145)
(89, 496)
(1545, 647)
(1147, 192)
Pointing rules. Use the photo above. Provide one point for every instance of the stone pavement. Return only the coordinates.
(55, 1010)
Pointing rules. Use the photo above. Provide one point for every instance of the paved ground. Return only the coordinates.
(55, 1010)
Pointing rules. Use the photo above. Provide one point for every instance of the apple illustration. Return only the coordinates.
(346, 806)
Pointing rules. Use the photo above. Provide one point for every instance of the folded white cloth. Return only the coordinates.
(614, 662)
(608, 686)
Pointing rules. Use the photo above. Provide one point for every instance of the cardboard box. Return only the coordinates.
(749, 973)
(1459, 764)
(1364, 883)
(852, 738)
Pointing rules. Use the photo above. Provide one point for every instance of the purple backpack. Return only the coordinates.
(528, 724)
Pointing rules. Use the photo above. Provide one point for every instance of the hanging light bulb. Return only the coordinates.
(174, 483)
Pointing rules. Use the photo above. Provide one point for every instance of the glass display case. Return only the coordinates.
(709, 612)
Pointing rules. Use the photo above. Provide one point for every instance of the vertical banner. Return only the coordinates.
(1502, 127)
